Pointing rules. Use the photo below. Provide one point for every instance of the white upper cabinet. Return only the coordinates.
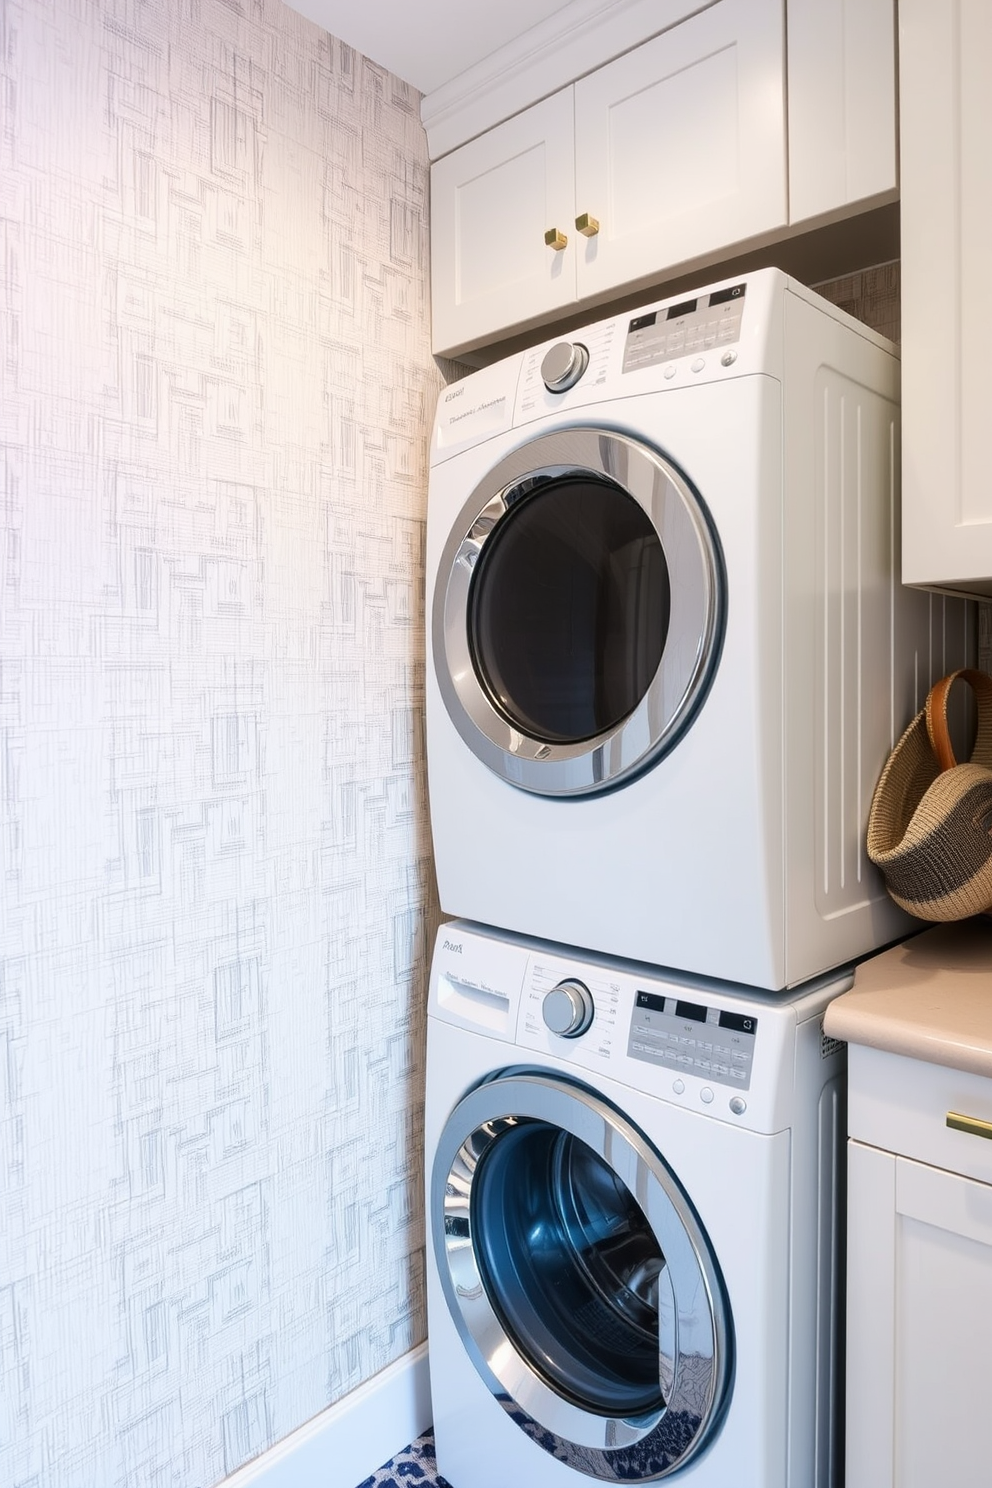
(492, 202)
(680, 145)
(666, 156)
(842, 105)
(672, 151)
(945, 90)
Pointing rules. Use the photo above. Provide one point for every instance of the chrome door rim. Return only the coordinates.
(602, 1446)
(695, 629)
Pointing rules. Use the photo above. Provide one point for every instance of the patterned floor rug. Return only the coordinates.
(415, 1467)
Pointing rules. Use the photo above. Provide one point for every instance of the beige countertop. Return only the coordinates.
(929, 998)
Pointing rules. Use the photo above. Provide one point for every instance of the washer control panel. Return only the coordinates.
(708, 322)
(689, 1037)
(627, 1027)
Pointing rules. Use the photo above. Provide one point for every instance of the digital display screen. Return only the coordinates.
(643, 321)
(721, 296)
(686, 308)
(739, 1022)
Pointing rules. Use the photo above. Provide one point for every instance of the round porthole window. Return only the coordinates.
(581, 1282)
(578, 613)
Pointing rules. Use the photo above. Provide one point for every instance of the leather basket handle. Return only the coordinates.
(936, 713)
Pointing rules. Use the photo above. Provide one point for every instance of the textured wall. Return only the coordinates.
(215, 385)
(871, 295)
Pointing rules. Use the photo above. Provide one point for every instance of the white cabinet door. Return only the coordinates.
(842, 105)
(945, 111)
(680, 145)
(492, 202)
(919, 1331)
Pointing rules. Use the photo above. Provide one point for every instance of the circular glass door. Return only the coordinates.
(578, 613)
(580, 1280)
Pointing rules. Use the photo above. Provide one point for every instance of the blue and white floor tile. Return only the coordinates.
(415, 1467)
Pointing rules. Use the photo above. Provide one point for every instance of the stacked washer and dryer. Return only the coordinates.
(667, 655)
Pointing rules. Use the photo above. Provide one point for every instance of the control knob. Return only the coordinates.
(568, 1008)
(563, 365)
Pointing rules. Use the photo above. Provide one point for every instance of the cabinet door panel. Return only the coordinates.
(919, 1323)
(942, 1338)
(680, 145)
(492, 202)
(842, 104)
(946, 169)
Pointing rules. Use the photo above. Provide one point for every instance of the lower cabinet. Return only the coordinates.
(919, 1332)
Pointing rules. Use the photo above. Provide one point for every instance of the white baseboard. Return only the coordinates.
(345, 1444)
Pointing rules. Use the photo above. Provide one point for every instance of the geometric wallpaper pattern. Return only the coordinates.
(216, 893)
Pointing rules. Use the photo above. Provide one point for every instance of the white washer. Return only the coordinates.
(668, 651)
(633, 1234)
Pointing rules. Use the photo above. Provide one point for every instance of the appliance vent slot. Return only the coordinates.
(830, 1046)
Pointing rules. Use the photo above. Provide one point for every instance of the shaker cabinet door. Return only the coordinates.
(919, 1324)
(492, 202)
(842, 105)
(945, 109)
(680, 145)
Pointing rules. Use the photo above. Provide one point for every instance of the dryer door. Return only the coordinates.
(580, 1279)
(578, 612)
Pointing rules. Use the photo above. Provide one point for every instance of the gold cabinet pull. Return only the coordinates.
(970, 1124)
(555, 239)
(587, 226)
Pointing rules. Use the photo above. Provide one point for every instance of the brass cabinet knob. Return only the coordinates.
(587, 226)
(555, 239)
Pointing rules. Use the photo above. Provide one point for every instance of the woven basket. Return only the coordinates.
(930, 824)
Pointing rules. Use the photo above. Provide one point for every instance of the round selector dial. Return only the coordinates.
(568, 1008)
(563, 365)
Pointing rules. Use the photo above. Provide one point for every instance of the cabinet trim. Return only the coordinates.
(944, 1200)
(577, 39)
(871, 1316)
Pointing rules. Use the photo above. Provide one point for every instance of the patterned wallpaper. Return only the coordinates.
(871, 296)
(215, 387)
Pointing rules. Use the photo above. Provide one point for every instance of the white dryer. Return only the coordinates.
(668, 650)
(633, 1230)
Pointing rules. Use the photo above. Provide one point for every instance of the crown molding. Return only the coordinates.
(577, 39)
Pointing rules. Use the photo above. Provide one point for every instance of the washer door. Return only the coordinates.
(579, 1278)
(578, 613)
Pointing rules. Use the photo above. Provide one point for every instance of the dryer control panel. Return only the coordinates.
(693, 326)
